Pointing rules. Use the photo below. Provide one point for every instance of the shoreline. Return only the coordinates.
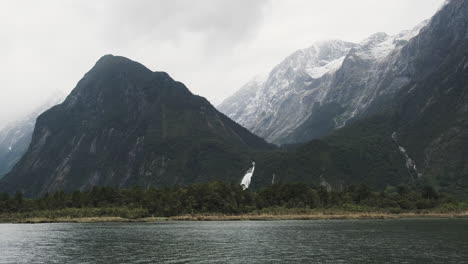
(245, 217)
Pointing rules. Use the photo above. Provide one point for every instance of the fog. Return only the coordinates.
(214, 46)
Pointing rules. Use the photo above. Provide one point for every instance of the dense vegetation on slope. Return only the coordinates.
(217, 197)
(363, 152)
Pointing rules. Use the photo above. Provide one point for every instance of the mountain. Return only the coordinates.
(417, 134)
(396, 113)
(275, 106)
(241, 101)
(430, 114)
(362, 152)
(319, 89)
(125, 125)
(14, 141)
(16, 136)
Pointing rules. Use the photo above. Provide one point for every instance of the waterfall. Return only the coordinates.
(410, 163)
(248, 177)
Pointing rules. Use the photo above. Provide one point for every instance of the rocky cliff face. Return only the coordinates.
(319, 89)
(276, 106)
(414, 128)
(431, 112)
(14, 141)
(125, 125)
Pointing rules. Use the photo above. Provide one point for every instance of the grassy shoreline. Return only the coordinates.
(242, 217)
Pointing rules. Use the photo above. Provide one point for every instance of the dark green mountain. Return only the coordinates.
(430, 115)
(362, 152)
(125, 125)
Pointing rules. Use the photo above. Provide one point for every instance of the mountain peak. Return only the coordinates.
(112, 63)
(112, 59)
(375, 39)
(124, 125)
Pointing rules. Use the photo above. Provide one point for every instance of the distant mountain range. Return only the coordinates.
(16, 136)
(387, 111)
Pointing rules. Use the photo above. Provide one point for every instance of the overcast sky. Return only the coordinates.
(213, 46)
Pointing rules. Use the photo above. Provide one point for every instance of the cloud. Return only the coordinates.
(213, 46)
(49, 45)
(221, 23)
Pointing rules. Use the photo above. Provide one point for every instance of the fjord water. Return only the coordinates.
(337, 241)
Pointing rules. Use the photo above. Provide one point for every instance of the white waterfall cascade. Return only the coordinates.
(410, 164)
(245, 183)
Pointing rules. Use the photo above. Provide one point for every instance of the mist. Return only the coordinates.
(214, 47)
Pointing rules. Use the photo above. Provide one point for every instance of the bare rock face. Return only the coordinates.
(393, 111)
(125, 125)
(321, 88)
(276, 105)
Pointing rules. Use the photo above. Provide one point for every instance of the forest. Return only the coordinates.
(225, 199)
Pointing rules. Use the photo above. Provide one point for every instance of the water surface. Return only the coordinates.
(337, 241)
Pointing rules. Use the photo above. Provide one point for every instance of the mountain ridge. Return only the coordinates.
(286, 108)
(125, 125)
(416, 136)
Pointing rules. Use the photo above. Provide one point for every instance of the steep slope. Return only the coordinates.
(419, 135)
(14, 141)
(283, 101)
(431, 113)
(371, 72)
(243, 99)
(124, 125)
(16, 136)
(362, 152)
(307, 96)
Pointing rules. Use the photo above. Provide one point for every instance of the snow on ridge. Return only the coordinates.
(406, 35)
(317, 72)
(379, 45)
(316, 60)
(330, 56)
(280, 103)
(376, 46)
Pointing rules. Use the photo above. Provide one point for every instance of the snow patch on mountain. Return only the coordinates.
(342, 77)
(258, 105)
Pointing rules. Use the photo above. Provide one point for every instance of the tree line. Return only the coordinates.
(223, 198)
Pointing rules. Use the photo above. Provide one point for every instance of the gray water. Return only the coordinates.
(361, 241)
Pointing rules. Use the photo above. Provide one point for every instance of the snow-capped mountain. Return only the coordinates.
(318, 89)
(243, 98)
(16, 136)
(412, 105)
